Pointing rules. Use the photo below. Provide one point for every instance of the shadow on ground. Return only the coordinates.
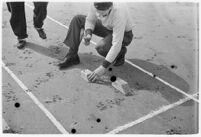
(136, 79)
(53, 51)
(141, 81)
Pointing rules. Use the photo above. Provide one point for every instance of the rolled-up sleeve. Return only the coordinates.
(119, 22)
(91, 18)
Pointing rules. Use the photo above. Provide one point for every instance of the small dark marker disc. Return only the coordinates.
(98, 120)
(173, 66)
(73, 131)
(113, 78)
(17, 105)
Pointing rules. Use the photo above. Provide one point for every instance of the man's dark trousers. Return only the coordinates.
(18, 18)
(72, 39)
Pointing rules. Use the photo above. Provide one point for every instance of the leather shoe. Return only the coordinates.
(21, 44)
(120, 60)
(41, 33)
(69, 61)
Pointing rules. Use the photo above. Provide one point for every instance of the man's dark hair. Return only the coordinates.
(102, 5)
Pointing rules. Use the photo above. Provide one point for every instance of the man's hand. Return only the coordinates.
(96, 73)
(87, 36)
(87, 39)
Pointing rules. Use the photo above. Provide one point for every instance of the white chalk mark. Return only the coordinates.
(163, 81)
(35, 100)
(150, 115)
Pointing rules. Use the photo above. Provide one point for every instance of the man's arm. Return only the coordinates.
(117, 38)
(89, 25)
(91, 19)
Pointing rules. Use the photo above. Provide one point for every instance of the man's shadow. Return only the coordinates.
(142, 81)
(52, 51)
(136, 79)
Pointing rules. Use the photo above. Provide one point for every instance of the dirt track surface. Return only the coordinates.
(165, 43)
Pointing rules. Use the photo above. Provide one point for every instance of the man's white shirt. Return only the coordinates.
(119, 21)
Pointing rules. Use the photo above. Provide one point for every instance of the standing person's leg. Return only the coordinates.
(40, 13)
(73, 40)
(18, 22)
(8, 6)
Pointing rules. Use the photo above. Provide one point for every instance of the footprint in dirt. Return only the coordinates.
(55, 50)
(10, 64)
(140, 37)
(181, 36)
(41, 80)
(11, 131)
(27, 52)
(101, 106)
(109, 103)
(54, 63)
(49, 74)
(24, 58)
(29, 65)
(10, 97)
(9, 94)
(54, 99)
(174, 131)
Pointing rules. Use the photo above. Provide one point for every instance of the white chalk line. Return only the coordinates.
(134, 65)
(150, 115)
(163, 81)
(36, 101)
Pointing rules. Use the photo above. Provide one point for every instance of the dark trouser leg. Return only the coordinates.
(105, 44)
(8, 6)
(18, 20)
(72, 39)
(40, 13)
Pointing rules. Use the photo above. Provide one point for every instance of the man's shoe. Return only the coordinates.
(119, 62)
(69, 61)
(41, 33)
(21, 44)
(121, 57)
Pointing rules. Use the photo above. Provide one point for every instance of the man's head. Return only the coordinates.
(103, 8)
(102, 5)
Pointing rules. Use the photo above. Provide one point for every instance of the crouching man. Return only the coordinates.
(109, 20)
